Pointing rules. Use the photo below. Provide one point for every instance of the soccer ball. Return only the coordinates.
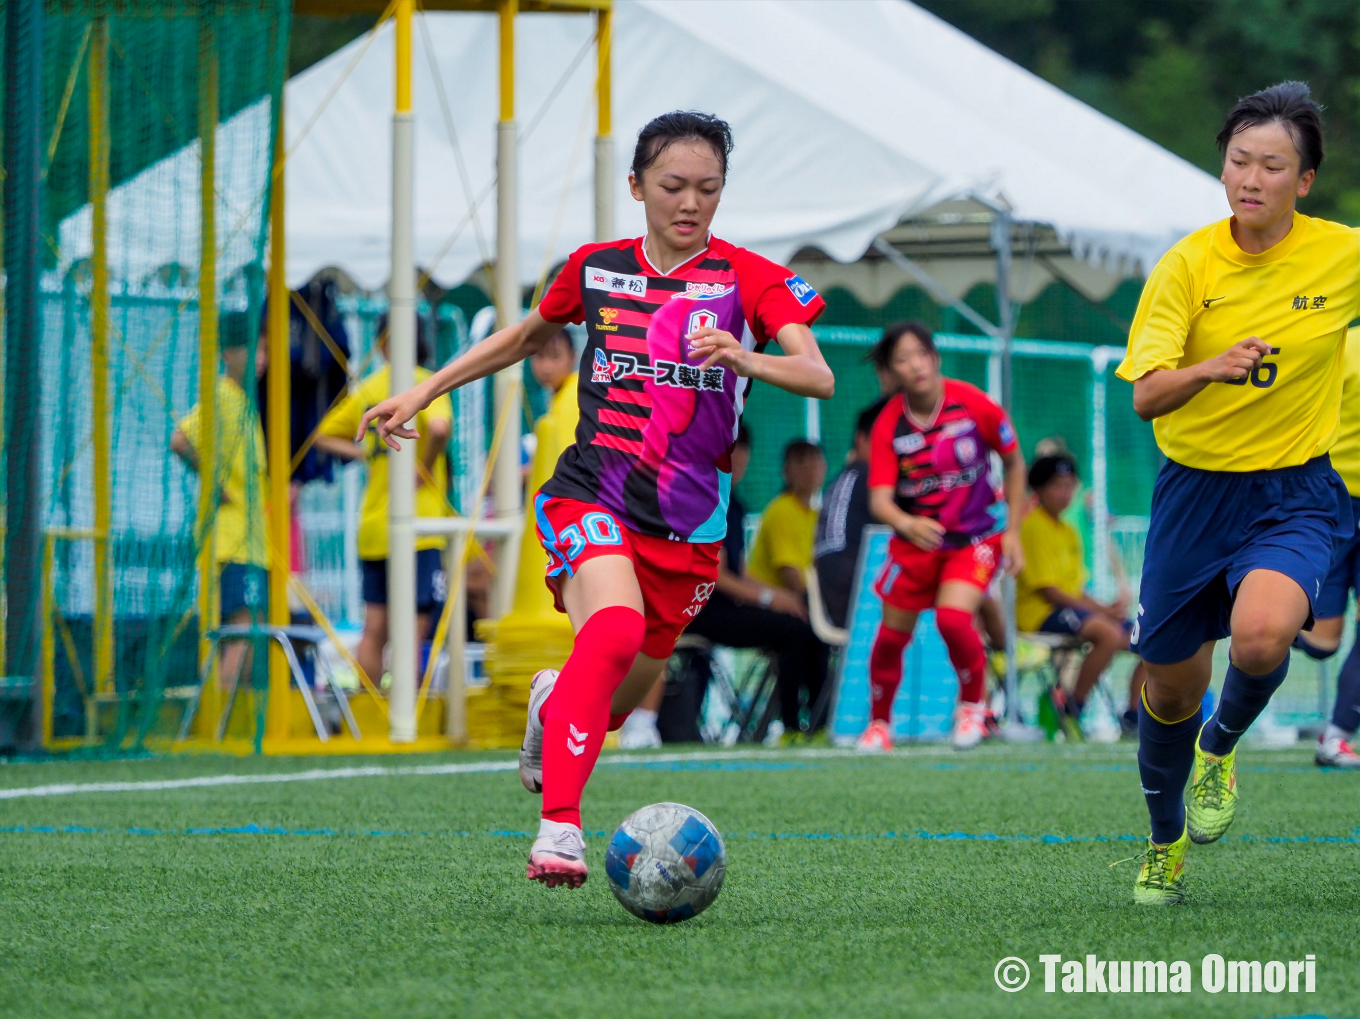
(666, 863)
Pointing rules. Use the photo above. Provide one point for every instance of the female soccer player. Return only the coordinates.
(929, 467)
(1235, 355)
(635, 513)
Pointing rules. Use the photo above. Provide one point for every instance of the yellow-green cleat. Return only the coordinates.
(1212, 803)
(1161, 879)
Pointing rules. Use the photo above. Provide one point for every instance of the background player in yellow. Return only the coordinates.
(239, 528)
(1235, 353)
(335, 435)
(1335, 749)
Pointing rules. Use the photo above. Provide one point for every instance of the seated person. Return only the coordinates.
(1050, 595)
(781, 553)
(239, 535)
(335, 435)
(841, 522)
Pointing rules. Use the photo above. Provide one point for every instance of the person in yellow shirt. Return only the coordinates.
(1235, 355)
(1051, 589)
(779, 556)
(239, 528)
(1335, 749)
(335, 435)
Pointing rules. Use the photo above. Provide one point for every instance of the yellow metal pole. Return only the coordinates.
(99, 355)
(280, 441)
(604, 126)
(207, 357)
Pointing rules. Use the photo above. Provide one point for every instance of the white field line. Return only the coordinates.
(471, 767)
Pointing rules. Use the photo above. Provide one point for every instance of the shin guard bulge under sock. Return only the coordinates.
(1166, 755)
(965, 652)
(1346, 713)
(577, 712)
(885, 670)
(1240, 703)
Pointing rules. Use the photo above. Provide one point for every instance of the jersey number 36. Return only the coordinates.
(1262, 376)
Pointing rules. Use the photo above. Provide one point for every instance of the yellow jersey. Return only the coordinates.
(240, 528)
(431, 501)
(1346, 452)
(787, 529)
(1207, 294)
(1053, 558)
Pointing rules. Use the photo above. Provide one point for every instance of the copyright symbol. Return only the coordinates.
(1011, 974)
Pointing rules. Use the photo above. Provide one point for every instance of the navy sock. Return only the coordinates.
(1346, 713)
(1241, 702)
(1311, 650)
(1166, 753)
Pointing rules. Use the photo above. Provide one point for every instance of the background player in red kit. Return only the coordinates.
(929, 466)
(635, 511)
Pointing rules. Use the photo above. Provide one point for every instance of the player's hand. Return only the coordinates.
(787, 602)
(717, 346)
(1237, 362)
(1012, 553)
(923, 532)
(393, 416)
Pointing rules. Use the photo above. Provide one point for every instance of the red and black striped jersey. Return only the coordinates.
(656, 429)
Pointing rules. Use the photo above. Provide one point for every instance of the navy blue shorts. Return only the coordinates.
(1344, 576)
(1070, 621)
(1209, 529)
(243, 586)
(431, 584)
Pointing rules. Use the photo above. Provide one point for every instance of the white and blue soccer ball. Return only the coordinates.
(666, 863)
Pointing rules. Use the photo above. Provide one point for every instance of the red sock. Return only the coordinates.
(616, 721)
(885, 671)
(965, 651)
(577, 713)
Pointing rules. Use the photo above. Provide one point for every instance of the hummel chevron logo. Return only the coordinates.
(579, 746)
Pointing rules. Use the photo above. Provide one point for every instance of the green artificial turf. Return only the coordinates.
(408, 896)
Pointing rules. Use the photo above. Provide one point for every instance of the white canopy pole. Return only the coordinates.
(401, 349)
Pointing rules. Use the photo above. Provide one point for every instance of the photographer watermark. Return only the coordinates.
(1127, 976)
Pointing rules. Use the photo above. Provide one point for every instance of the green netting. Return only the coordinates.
(151, 79)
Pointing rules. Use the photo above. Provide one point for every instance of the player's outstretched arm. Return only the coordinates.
(802, 370)
(499, 350)
(1164, 390)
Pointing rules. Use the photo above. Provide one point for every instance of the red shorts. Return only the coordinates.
(676, 577)
(912, 576)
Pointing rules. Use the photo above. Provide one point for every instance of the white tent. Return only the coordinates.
(853, 119)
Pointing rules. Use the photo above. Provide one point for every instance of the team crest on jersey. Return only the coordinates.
(1005, 433)
(616, 282)
(801, 289)
(699, 291)
(600, 371)
(965, 449)
(904, 444)
(701, 319)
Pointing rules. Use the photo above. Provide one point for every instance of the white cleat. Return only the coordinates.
(558, 856)
(970, 725)
(876, 739)
(1336, 753)
(531, 750)
(639, 731)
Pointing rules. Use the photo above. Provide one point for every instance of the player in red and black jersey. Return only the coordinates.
(636, 510)
(929, 479)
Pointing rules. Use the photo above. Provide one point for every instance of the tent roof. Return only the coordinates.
(851, 120)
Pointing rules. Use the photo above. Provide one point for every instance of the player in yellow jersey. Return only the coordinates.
(1335, 749)
(1235, 354)
(335, 435)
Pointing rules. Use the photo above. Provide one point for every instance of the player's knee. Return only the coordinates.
(1260, 651)
(956, 627)
(615, 634)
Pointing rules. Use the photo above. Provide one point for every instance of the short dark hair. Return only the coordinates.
(800, 449)
(1046, 468)
(882, 352)
(563, 336)
(864, 424)
(680, 125)
(1289, 104)
(424, 341)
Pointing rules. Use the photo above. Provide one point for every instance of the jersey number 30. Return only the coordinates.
(600, 529)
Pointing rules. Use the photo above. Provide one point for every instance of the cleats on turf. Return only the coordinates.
(558, 856)
(877, 739)
(970, 725)
(531, 750)
(1212, 802)
(1161, 878)
(1336, 753)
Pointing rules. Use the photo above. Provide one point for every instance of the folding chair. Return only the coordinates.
(747, 698)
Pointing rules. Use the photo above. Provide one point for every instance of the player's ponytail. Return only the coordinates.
(682, 125)
(1289, 104)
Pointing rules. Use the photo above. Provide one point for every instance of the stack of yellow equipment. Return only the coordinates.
(534, 635)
